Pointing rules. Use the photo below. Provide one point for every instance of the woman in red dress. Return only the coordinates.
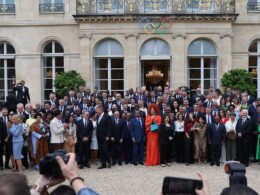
(152, 149)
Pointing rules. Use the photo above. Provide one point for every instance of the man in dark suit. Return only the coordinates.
(244, 134)
(216, 136)
(62, 106)
(208, 102)
(3, 135)
(23, 95)
(117, 136)
(53, 100)
(196, 112)
(108, 104)
(84, 135)
(128, 143)
(197, 96)
(117, 101)
(7, 142)
(103, 136)
(138, 133)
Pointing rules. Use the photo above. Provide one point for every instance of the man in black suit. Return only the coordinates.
(216, 136)
(117, 135)
(53, 100)
(3, 136)
(103, 136)
(128, 143)
(84, 135)
(244, 134)
(8, 140)
(108, 104)
(23, 95)
(117, 101)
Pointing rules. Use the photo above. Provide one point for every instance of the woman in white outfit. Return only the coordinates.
(94, 143)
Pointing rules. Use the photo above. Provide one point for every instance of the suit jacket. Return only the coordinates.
(55, 103)
(3, 129)
(216, 135)
(22, 95)
(103, 127)
(165, 134)
(252, 112)
(127, 130)
(84, 131)
(196, 97)
(137, 131)
(118, 105)
(108, 106)
(245, 129)
(117, 130)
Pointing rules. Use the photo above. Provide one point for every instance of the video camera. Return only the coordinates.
(237, 172)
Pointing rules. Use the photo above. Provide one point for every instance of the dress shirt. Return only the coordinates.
(179, 126)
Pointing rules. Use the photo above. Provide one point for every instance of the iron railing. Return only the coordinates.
(253, 6)
(7, 8)
(51, 8)
(108, 7)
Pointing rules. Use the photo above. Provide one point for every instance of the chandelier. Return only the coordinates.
(154, 75)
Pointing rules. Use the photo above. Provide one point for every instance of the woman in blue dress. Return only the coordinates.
(16, 129)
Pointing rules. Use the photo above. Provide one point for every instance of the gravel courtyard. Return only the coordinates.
(141, 180)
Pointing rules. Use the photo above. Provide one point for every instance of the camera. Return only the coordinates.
(237, 172)
(175, 185)
(50, 167)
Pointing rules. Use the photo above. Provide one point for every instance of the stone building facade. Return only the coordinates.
(114, 44)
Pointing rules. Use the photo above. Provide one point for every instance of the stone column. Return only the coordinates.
(178, 67)
(86, 68)
(132, 68)
(225, 56)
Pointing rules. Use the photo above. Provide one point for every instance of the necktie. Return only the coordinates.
(140, 122)
(5, 121)
(85, 123)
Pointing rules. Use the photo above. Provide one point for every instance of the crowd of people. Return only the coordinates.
(141, 127)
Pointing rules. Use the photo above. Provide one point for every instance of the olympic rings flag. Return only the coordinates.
(155, 25)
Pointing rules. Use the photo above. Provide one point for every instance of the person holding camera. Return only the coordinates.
(23, 95)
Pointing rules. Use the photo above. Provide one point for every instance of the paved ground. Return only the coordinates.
(141, 180)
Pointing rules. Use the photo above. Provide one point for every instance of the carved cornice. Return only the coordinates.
(222, 36)
(174, 17)
(84, 35)
(136, 35)
(175, 35)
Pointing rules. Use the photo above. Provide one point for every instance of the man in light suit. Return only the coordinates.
(138, 133)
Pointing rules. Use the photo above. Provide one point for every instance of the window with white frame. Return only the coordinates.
(254, 63)
(52, 65)
(7, 70)
(109, 66)
(50, 6)
(202, 65)
(253, 5)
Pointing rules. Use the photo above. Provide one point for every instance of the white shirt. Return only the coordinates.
(100, 117)
(231, 125)
(179, 126)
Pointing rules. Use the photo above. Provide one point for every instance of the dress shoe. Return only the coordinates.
(218, 164)
(141, 163)
(135, 164)
(126, 163)
(109, 165)
(102, 167)
(163, 165)
(187, 164)
(211, 164)
(81, 166)
(119, 163)
(113, 163)
(88, 166)
(168, 164)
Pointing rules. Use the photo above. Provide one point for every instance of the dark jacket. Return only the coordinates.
(245, 129)
(104, 127)
(84, 131)
(137, 131)
(216, 135)
(165, 133)
(117, 130)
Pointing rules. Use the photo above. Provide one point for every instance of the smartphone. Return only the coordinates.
(175, 185)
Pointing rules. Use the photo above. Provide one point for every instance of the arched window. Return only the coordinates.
(202, 65)
(109, 66)
(53, 59)
(7, 70)
(254, 63)
(155, 48)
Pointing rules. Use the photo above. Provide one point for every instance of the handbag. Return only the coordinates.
(154, 127)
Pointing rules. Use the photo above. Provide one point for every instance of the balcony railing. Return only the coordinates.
(253, 6)
(7, 8)
(51, 8)
(111, 7)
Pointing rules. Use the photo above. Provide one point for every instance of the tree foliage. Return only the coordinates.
(67, 81)
(239, 79)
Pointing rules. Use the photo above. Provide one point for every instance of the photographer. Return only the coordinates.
(23, 95)
(70, 172)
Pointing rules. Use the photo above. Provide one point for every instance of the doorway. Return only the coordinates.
(155, 73)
